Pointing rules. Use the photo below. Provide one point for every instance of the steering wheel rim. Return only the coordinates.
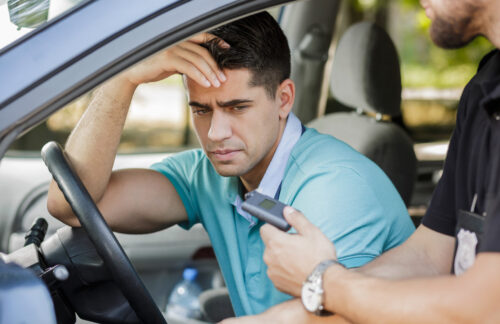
(105, 242)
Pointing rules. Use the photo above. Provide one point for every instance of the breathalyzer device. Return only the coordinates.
(266, 209)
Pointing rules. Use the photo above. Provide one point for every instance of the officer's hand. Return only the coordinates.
(187, 58)
(291, 257)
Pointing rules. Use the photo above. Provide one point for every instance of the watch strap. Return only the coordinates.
(318, 271)
(316, 277)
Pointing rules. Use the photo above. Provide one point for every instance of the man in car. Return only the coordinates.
(447, 271)
(241, 98)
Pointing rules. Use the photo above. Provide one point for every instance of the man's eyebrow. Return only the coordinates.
(233, 102)
(223, 104)
(200, 105)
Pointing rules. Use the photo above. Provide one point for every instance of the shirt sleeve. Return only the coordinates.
(491, 234)
(179, 169)
(441, 213)
(349, 213)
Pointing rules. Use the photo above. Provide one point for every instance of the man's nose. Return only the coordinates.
(220, 127)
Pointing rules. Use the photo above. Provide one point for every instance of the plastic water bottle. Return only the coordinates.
(183, 301)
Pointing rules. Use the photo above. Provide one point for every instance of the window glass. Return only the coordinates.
(158, 120)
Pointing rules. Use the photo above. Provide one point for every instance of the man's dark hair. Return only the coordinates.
(256, 43)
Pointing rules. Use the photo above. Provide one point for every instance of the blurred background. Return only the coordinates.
(433, 78)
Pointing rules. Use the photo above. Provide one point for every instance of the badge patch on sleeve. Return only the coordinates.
(466, 251)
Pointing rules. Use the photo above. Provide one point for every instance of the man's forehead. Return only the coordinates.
(243, 76)
(237, 86)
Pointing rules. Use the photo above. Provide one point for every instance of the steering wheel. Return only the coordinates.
(105, 242)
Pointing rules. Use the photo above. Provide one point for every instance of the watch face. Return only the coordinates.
(311, 297)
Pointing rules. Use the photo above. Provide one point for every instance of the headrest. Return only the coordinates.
(365, 72)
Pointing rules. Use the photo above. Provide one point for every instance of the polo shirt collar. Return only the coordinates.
(275, 172)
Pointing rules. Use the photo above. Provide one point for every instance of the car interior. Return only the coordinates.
(366, 78)
(348, 85)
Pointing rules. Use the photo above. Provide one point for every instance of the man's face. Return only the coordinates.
(454, 22)
(238, 125)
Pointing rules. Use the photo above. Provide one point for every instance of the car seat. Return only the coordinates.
(366, 78)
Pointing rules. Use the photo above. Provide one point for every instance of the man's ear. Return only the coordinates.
(285, 94)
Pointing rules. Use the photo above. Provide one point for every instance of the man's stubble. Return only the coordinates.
(458, 28)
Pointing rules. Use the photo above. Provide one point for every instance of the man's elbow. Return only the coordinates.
(59, 208)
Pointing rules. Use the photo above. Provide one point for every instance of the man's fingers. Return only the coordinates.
(192, 72)
(297, 220)
(202, 38)
(196, 62)
(206, 37)
(199, 63)
(268, 231)
(200, 53)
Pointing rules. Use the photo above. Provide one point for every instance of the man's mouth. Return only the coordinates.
(225, 154)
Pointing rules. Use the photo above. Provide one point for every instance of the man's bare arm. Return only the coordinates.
(289, 312)
(425, 253)
(92, 145)
(469, 298)
(132, 200)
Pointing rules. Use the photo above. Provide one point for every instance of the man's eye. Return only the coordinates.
(200, 111)
(239, 108)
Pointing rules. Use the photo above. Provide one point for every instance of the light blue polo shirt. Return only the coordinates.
(342, 192)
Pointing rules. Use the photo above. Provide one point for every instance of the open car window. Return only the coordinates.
(158, 119)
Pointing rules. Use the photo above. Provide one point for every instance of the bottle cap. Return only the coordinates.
(189, 274)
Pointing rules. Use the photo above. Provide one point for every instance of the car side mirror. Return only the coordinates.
(28, 13)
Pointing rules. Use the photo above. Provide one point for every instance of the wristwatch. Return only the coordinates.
(312, 288)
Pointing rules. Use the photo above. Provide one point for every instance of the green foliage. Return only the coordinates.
(426, 65)
(424, 76)
(423, 63)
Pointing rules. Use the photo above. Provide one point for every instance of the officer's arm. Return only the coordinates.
(289, 312)
(469, 298)
(425, 253)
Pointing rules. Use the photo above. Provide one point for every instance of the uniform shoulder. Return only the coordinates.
(488, 57)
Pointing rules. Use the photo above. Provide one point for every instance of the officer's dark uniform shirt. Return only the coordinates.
(472, 166)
